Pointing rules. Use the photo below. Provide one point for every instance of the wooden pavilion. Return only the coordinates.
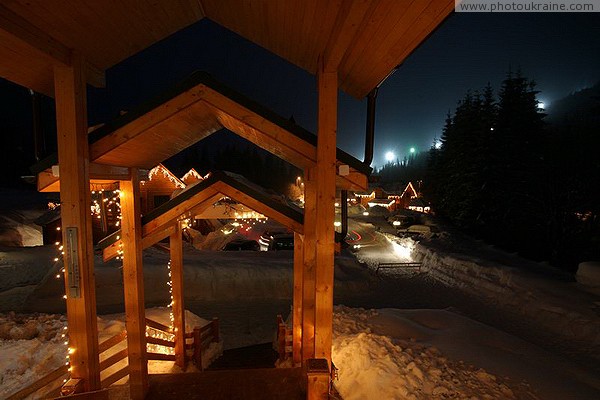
(59, 48)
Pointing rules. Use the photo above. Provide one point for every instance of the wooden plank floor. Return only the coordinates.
(240, 384)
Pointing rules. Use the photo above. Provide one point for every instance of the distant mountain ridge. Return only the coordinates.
(577, 108)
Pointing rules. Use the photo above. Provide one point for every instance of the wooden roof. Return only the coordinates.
(364, 39)
(193, 110)
(201, 195)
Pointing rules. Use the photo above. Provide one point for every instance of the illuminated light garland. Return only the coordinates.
(113, 205)
(167, 174)
(158, 334)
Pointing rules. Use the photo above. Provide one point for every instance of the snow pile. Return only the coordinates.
(30, 347)
(394, 366)
(588, 273)
(17, 229)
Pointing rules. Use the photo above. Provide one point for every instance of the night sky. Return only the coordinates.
(561, 52)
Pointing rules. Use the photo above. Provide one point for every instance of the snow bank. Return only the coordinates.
(437, 354)
(557, 306)
(588, 273)
(24, 266)
(376, 366)
(18, 229)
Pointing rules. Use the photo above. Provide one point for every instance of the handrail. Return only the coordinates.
(40, 383)
(158, 326)
(115, 377)
(113, 359)
(110, 342)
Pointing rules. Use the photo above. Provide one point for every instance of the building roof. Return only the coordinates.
(203, 194)
(363, 40)
(194, 109)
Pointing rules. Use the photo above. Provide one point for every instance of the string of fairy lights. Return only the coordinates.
(107, 202)
(112, 205)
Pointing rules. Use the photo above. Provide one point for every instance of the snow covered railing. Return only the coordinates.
(284, 340)
(113, 359)
(202, 338)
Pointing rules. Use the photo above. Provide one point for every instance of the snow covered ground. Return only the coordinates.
(387, 353)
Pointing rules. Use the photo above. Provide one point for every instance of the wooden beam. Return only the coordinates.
(297, 300)
(112, 251)
(175, 213)
(176, 249)
(308, 274)
(133, 282)
(347, 24)
(325, 189)
(24, 38)
(100, 174)
(73, 156)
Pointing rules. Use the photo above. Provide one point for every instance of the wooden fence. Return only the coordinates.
(200, 338)
(113, 359)
(396, 265)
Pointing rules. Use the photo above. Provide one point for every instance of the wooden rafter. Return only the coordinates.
(194, 110)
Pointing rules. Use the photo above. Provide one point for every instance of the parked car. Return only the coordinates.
(241, 244)
(276, 241)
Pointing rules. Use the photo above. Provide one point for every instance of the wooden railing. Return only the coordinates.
(113, 359)
(201, 340)
(197, 341)
(40, 383)
(160, 342)
(284, 339)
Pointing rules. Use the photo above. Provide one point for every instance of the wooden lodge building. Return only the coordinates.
(377, 196)
(348, 45)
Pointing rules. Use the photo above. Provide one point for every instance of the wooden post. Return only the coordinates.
(215, 329)
(317, 387)
(103, 215)
(281, 338)
(133, 281)
(75, 197)
(176, 245)
(198, 348)
(297, 301)
(308, 273)
(325, 188)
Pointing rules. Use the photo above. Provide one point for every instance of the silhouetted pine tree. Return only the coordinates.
(516, 163)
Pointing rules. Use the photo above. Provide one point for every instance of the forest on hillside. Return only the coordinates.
(506, 172)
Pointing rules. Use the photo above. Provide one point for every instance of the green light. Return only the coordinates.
(412, 150)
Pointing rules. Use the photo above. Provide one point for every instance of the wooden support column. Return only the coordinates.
(75, 197)
(297, 301)
(308, 273)
(133, 281)
(176, 246)
(325, 188)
